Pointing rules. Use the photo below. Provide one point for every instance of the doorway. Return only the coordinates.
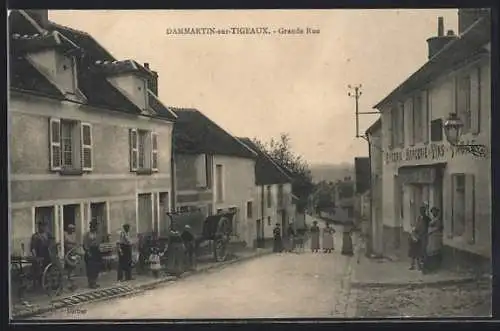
(98, 215)
(145, 213)
(259, 233)
(164, 222)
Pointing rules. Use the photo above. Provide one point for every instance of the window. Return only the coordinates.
(269, 197)
(220, 183)
(464, 102)
(401, 126)
(209, 164)
(249, 209)
(418, 126)
(46, 215)
(269, 220)
(437, 130)
(70, 145)
(426, 115)
(143, 150)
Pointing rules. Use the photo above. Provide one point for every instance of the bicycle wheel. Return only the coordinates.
(52, 280)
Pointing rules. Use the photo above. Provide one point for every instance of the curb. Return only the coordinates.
(436, 283)
(122, 290)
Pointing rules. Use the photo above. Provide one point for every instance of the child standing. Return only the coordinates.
(154, 262)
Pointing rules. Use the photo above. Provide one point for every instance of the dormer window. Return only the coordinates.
(52, 55)
(130, 78)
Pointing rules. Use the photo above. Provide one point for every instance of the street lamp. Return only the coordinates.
(453, 131)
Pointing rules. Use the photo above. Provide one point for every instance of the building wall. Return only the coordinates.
(238, 188)
(32, 184)
(187, 191)
(272, 214)
(442, 102)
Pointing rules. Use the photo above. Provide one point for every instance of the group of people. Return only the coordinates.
(294, 240)
(180, 252)
(425, 242)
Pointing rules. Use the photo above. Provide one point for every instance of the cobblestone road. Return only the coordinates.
(466, 300)
(273, 286)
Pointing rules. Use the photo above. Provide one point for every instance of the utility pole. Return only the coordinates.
(356, 94)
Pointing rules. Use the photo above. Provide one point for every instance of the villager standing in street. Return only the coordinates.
(347, 247)
(435, 241)
(418, 240)
(290, 236)
(124, 254)
(40, 246)
(189, 244)
(328, 242)
(93, 258)
(175, 252)
(315, 237)
(277, 240)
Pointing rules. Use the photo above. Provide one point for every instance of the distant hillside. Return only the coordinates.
(331, 172)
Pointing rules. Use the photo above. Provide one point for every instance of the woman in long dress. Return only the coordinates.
(435, 241)
(328, 244)
(277, 240)
(315, 237)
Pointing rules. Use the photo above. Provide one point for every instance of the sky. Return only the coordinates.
(264, 85)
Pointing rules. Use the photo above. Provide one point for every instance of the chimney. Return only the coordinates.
(41, 16)
(152, 81)
(468, 16)
(440, 26)
(435, 44)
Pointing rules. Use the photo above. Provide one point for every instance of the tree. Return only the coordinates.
(280, 151)
(324, 195)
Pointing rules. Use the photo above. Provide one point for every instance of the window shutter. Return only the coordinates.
(201, 168)
(425, 104)
(475, 107)
(401, 127)
(86, 138)
(134, 151)
(470, 211)
(55, 144)
(389, 119)
(448, 206)
(154, 151)
(411, 122)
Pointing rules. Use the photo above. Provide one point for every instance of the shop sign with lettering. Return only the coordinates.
(429, 152)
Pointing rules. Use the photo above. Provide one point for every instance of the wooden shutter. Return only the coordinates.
(411, 121)
(55, 144)
(387, 121)
(86, 139)
(134, 150)
(470, 211)
(425, 105)
(201, 170)
(401, 127)
(448, 205)
(154, 151)
(475, 106)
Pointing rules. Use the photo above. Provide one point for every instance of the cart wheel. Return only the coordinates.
(52, 280)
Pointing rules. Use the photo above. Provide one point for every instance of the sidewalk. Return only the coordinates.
(35, 304)
(386, 273)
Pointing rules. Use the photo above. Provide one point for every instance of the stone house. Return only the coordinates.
(420, 166)
(214, 171)
(89, 139)
(273, 196)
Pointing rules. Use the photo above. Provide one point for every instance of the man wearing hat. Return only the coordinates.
(278, 244)
(40, 248)
(93, 259)
(188, 239)
(124, 254)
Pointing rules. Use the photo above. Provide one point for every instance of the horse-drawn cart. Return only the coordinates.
(214, 230)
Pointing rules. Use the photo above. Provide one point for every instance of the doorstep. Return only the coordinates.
(115, 290)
